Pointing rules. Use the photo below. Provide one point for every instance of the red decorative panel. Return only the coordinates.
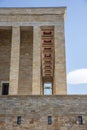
(47, 32)
(47, 41)
(47, 52)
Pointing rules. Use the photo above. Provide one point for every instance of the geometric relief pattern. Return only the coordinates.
(47, 36)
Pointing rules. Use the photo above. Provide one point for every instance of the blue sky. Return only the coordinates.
(75, 37)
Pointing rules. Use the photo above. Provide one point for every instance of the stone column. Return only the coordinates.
(14, 64)
(60, 63)
(36, 60)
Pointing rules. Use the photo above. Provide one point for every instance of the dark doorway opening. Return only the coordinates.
(5, 88)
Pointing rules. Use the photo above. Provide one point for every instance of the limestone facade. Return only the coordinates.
(32, 59)
(32, 47)
(34, 111)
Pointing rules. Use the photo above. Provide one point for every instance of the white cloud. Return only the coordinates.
(77, 77)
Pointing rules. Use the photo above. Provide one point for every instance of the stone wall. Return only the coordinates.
(25, 15)
(5, 52)
(23, 46)
(26, 57)
(34, 112)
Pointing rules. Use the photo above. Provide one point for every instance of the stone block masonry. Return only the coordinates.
(22, 50)
(14, 67)
(34, 111)
(32, 60)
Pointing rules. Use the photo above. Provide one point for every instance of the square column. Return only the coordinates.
(60, 62)
(36, 85)
(14, 64)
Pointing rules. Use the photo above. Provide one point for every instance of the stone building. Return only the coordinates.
(33, 72)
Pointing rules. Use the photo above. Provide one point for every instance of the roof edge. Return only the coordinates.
(33, 10)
